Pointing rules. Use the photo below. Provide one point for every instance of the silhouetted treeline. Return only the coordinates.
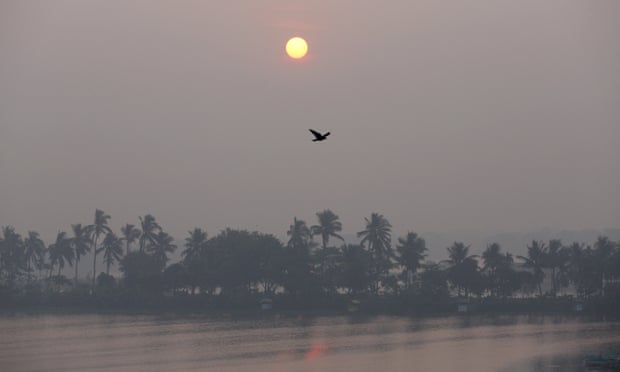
(315, 266)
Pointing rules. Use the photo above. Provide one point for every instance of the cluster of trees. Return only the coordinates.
(239, 262)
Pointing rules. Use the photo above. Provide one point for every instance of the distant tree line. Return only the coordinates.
(244, 264)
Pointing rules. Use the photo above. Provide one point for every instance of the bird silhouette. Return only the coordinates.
(318, 136)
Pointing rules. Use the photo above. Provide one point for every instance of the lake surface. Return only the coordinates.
(166, 343)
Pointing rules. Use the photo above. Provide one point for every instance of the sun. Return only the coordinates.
(296, 47)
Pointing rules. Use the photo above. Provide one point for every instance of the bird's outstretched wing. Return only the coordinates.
(316, 134)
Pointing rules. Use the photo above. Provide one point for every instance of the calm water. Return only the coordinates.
(122, 342)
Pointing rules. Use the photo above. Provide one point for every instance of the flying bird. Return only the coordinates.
(318, 136)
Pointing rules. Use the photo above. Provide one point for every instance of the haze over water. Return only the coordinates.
(119, 342)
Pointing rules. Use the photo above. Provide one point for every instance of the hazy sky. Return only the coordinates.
(487, 115)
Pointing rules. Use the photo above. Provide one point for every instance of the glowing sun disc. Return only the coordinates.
(296, 47)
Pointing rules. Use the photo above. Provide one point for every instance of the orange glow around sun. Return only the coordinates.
(296, 47)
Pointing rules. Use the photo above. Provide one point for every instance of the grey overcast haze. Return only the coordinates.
(445, 116)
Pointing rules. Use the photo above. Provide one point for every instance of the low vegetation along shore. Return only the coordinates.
(243, 271)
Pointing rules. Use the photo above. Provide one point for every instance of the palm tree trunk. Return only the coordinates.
(409, 279)
(77, 261)
(94, 261)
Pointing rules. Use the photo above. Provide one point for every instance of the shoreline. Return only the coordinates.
(201, 307)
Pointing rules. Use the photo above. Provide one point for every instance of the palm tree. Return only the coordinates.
(463, 267)
(130, 235)
(411, 254)
(194, 243)
(459, 253)
(377, 235)
(535, 261)
(112, 248)
(555, 260)
(164, 244)
(34, 250)
(298, 273)
(99, 226)
(581, 271)
(493, 260)
(501, 278)
(194, 257)
(12, 258)
(61, 252)
(328, 226)
(150, 228)
(603, 253)
(80, 243)
(492, 257)
(300, 235)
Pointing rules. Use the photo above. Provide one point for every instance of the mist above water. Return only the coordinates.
(117, 342)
